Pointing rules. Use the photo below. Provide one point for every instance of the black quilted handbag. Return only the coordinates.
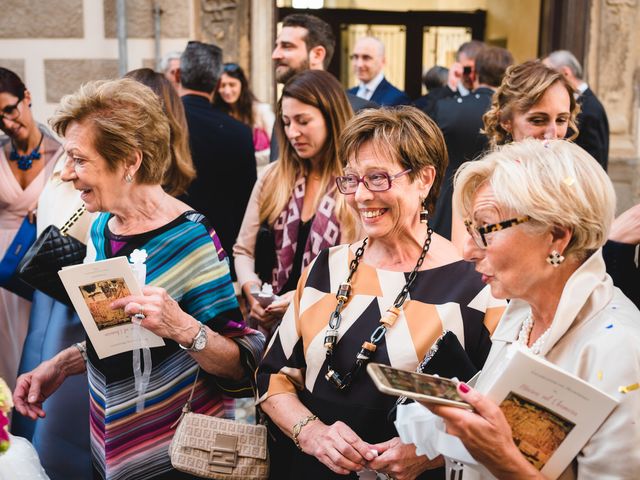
(52, 250)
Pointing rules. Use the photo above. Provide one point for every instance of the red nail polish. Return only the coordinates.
(463, 387)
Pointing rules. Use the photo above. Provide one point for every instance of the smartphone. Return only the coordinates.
(466, 70)
(418, 386)
(265, 297)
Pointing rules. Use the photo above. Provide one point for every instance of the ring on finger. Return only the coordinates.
(140, 315)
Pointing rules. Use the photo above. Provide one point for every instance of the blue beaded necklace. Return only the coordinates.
(25, 162)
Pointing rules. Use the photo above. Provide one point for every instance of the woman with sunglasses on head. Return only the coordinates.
(398, 290)
(28, 154)
(234, 96)
(538, 216)
(295, 210)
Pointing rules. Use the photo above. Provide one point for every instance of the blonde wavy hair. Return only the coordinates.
(125, 117)
(522, 87)
(556, 183)
(322, 91)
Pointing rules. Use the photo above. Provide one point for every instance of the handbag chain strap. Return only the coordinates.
(74, 218)
(186, 408)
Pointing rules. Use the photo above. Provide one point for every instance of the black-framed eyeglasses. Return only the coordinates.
(479, 233)
(374, 182)
(11, 112)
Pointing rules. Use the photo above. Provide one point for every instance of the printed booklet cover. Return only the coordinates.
(92, 287)
(551, 412)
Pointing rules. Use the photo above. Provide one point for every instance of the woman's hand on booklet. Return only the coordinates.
(159, 313)
(486, 434)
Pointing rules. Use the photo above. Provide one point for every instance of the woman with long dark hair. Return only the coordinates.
(234, 96)
(296, 200)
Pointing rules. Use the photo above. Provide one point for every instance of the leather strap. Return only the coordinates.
(74, 218)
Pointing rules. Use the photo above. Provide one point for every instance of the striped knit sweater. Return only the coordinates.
(186, 259)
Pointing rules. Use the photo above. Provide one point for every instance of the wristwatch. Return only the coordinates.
(199, 341)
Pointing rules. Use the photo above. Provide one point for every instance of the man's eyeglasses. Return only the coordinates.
(11, 112)
(374, 182)
(479, 233)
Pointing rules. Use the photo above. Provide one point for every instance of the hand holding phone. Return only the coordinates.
(418, 386)
(264, 296)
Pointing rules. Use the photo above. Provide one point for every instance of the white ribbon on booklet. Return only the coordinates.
(141, 367)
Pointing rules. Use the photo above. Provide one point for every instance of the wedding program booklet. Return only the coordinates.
(92, 287)
(551, 412)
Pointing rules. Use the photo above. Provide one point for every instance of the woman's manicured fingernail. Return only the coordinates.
(463, 387)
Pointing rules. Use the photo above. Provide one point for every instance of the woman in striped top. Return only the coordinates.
(189, 300)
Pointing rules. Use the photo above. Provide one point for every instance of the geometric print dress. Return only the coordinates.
(450, 297)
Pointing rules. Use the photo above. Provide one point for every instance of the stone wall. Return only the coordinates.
(613, 71)
(55, 46)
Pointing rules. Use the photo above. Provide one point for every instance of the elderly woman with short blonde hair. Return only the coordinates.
(538, 214)
(116, 137)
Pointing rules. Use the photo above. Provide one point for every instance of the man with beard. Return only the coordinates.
(305, 43)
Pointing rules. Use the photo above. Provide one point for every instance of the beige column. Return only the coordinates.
(262, 38)
(612, 66)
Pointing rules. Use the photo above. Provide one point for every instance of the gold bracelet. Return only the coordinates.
(298, 427)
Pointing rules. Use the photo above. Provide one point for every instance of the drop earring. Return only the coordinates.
(424, 212)
(128, 178)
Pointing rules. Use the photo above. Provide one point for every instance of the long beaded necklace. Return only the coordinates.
(25, 162)
(525, 332)
(342, 382)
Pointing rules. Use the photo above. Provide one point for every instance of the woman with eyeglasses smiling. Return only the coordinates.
(234, 96)
(538, 216)
(28, 154)
(388, 298)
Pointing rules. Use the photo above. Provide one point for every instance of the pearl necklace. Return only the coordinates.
(525, 332)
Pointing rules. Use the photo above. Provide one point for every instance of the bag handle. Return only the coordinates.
(186, 408)
(74, 218)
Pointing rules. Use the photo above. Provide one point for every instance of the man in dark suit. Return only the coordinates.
(305, 42)
(368, 61)
(221, 147)
(592, 121)
(460, 119)
(460, 81)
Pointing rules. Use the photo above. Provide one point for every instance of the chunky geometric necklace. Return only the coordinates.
(342, 382)
(525, 332)
(25, 162)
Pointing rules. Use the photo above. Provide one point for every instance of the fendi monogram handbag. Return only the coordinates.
(217, 448)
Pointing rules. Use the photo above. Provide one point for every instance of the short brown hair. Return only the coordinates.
(406, 134)
(126, 116)
(491, 64)
(522, 87)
